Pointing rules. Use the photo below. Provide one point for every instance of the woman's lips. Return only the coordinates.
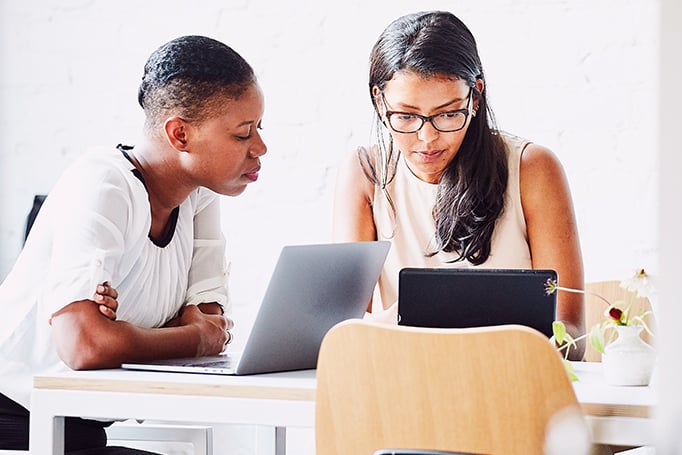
(252, 174)
(429, 155)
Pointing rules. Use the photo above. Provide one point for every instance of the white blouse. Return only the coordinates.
(94, 226)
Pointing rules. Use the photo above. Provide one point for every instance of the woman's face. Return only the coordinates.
(427, 151)
(225, 148)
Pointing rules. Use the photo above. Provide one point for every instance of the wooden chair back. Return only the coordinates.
(485, 390)
(595, 307)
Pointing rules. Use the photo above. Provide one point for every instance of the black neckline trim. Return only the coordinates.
(173, 221)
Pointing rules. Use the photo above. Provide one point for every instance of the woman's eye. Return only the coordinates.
(405, 117)
(449, 115)
(243, 137)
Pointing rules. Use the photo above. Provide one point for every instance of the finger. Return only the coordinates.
(108, 312)
(217, 319)
(106, 300)
(113, 293)
(106, 289)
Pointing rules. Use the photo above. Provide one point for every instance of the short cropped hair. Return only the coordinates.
(190, 77)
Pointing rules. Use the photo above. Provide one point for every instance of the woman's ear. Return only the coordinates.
(480, 86)
(176, 130)
(378, 101)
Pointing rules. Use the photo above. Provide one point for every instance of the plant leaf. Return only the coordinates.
(639, 320)
(559, 330)
(597, 338)
(569, 369)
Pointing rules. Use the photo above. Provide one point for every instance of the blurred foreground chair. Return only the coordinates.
(595, 307)
(416, 452)
(489, 390)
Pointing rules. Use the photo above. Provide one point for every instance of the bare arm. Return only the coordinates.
(87, 339)
(553, 233)
(207, 308)
(353, 197)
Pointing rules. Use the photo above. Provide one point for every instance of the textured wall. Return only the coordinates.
(576, 76)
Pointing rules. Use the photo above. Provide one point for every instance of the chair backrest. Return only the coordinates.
(594, 309)
(481, 390)
(416, 452)
(38, 200)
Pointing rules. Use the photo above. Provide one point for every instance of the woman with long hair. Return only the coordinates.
(442, 182)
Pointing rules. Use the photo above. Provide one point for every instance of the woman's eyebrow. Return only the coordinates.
(456, 100)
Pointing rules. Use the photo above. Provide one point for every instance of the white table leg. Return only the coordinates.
(46, 430)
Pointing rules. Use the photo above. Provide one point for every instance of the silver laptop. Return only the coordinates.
(312, 288)
(460, 298)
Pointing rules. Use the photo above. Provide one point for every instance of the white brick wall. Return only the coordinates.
(578, 76)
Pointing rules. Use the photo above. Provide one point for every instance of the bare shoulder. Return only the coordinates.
(542, 179)
(353, 198)
(355, 172)
(539, 162)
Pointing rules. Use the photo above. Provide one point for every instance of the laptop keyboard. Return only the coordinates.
(227, 363)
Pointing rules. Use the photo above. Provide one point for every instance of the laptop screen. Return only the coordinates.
(460, 298)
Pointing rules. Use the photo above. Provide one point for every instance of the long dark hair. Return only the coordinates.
(184, 76)
(471, 190)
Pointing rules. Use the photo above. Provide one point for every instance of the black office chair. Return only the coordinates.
(38, 200)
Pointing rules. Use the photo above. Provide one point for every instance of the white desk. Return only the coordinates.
(617, 415)
(278, 400)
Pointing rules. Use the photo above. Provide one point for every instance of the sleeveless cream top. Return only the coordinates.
(411, 229)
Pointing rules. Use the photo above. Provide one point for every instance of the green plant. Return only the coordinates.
(618, 313)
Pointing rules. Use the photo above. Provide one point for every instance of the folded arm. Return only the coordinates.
(85, 338)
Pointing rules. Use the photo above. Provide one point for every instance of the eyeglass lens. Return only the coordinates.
(410, 123)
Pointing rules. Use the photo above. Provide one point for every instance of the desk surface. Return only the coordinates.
(287, 399)
(600, 399)
(292, 385)
(300, 385)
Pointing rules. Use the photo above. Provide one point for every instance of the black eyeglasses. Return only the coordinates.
(445, 122)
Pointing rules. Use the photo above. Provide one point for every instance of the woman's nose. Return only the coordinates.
(427, 132)
(258, 148)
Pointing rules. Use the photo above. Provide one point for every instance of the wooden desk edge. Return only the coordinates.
(130, 386)
(619, 410)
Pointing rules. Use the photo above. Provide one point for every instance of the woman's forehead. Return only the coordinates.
(413, 87)
(249, 104)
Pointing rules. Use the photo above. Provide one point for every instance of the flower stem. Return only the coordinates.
(572, 342)
(580, 291)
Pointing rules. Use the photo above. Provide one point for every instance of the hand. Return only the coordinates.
(206, 308)
(212, 329)
(214, 308)
(105, 296)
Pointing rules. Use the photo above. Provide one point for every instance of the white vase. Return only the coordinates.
(628, 360)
